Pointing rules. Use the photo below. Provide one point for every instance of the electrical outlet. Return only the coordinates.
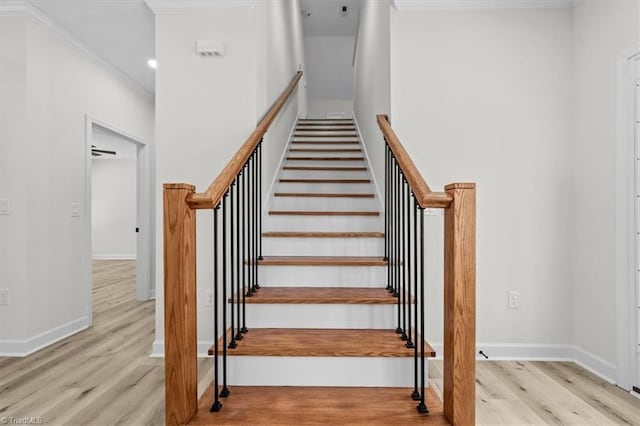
(208, 298)
(514, 299)
(5, 207)
(4, 296)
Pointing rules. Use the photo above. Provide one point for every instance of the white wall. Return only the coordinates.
(372, 80)
(329, 74)
(484, 96)
(207, 107)
(602, 29)
(281, 55)
(61, 85)
(113, 198)
(13, 244)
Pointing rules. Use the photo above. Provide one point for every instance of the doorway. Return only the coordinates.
(118, 206)
(628, 219)
(635, 384)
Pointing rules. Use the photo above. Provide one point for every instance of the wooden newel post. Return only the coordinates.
(460, 305)
(180, 334)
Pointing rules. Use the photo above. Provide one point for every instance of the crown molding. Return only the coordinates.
(177, 7)
(417, 5)
(25, 9)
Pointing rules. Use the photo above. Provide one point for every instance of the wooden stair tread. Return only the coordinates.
(291, 405)
(322, 195)
(322, 261)
(322, 342)
(325, 180)
(322, 213)
(286, 234)
(325, 169)
(321, 295)
(325, 158)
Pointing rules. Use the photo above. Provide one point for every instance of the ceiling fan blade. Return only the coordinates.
(102, 151)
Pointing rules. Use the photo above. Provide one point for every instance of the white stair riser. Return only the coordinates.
(338, 188)
(324, 163)
(324, 154)
(323, 174)
(322, 316)
(323, 223)
(322, 246)
(321, 371)
(323, 276)
(351, 144)
(324, 204)
(305, 138)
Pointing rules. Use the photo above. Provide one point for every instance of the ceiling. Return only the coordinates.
(324, 18)
(119, 31)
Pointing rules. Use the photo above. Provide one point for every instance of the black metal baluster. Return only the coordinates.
(409, 343)
(386, 206)
(256, 287)
(391, 228)
(247, 222)
(232, 265)
(403, 254)
(259, 205)
(217, 405)
(415, 395)
(422, 407)
(225, 391)
(242, 257)
(398, 237)
(239, 258)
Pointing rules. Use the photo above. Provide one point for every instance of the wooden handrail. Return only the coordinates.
(424, 196)
(214, 193)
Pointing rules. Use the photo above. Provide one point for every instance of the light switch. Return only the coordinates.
(5, 207)
(75, 209)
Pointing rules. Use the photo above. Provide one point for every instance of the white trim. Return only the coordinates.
(542, 352)
(24, 8)
(625, 223)
(416, 5)
(598, 366)
(174, 7)
(157, 349)
(114, 257)
(369, 168)
(265, 203)
(144, 215)
(21, 348)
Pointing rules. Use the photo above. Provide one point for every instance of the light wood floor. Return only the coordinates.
(104, 376)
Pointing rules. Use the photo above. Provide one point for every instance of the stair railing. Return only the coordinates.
(407, 195)
(235, 197)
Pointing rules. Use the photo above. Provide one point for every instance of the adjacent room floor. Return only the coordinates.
(104, 375)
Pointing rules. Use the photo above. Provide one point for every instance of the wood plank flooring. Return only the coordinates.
(104, 376)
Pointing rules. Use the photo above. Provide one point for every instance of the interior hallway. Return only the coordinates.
(104, 376)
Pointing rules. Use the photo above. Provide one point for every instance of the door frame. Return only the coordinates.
(144, 261)
(626, 136)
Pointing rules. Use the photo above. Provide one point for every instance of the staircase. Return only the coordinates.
(322, 316)
(318, 299)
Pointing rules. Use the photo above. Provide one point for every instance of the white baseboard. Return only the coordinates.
(596, 365)
(157, 349)
(113, 257)
(22, 348)
(541, 352)
(369, 168)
